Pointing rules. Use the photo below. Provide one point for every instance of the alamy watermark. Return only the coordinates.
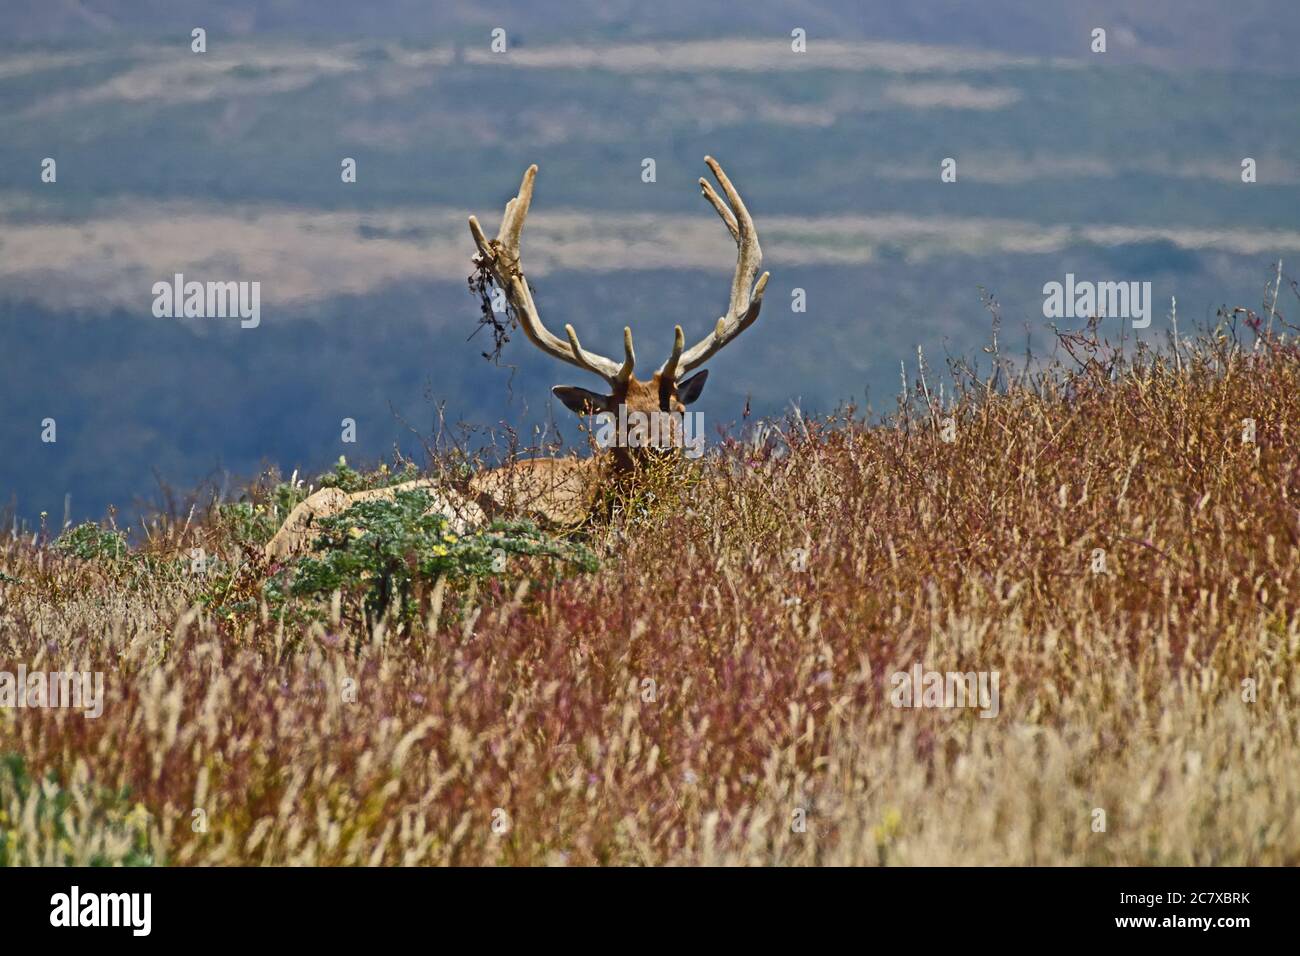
(635, 429)
(936, 689)
(179, 299)
(78, 690)
(75, 908)
(1106, 300)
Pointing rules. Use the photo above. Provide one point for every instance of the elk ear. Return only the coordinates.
(689, 389)
(580, 400)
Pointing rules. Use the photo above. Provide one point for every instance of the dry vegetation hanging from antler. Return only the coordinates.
(683, 701)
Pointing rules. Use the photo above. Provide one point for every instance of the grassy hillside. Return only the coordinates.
(710, 678)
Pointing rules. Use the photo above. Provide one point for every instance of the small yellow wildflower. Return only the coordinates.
(440, 550)
(450, 538)
(138, 818)
(356, 532)
(889, 826)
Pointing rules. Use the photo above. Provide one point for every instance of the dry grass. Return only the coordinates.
(698, 695)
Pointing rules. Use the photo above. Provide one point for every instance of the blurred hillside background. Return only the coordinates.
(226, 166)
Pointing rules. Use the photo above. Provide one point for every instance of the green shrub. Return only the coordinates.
(90, 542)
(344, 477)
(378, 549)
(250, 523)
(348, 479)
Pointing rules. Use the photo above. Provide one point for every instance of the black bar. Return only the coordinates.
(604, 907)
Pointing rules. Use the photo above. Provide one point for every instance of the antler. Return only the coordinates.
(746, 295)
(501, 257)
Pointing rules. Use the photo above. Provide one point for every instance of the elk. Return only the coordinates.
(562, 491)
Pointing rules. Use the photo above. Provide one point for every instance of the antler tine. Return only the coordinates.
(592, 362)
(501, 257)
(746, 295)
(629, 356)
(481, 240)
(711, 195)
(669, 371)
(512, 223)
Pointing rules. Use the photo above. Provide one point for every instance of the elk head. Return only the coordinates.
(671, 388)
